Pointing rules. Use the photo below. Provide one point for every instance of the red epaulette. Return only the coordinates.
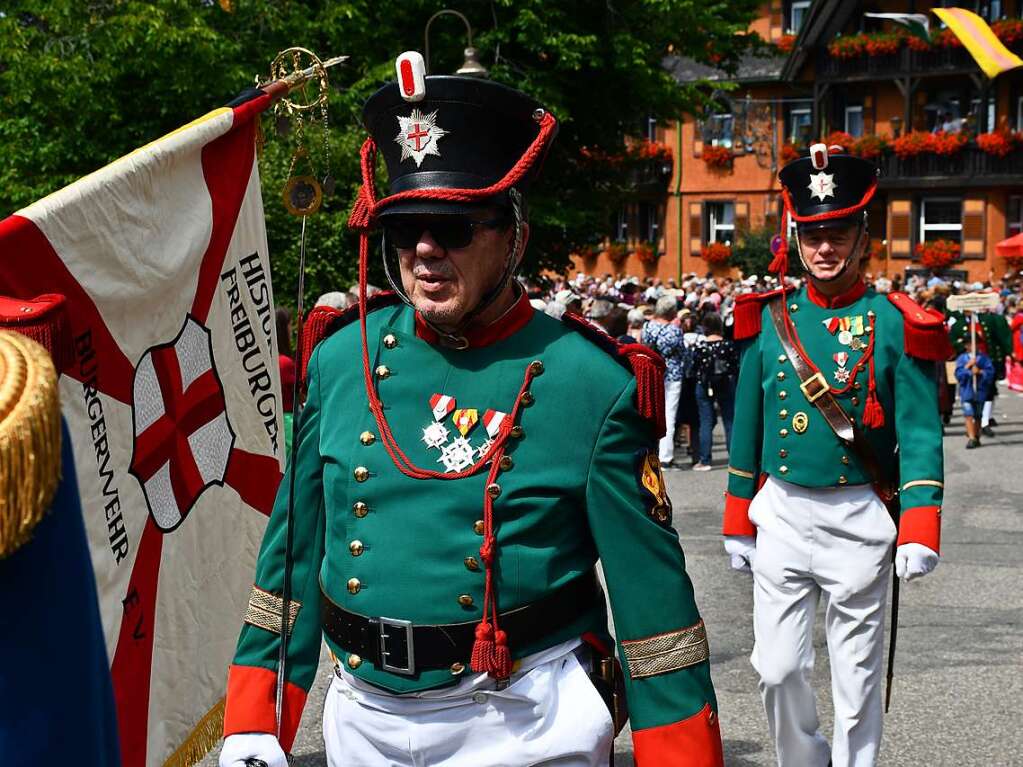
(642, 361)
(324, 321)
(748, 309)
(926, 336)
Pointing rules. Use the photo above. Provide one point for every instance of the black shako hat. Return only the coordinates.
(826, 190)
(466, 133)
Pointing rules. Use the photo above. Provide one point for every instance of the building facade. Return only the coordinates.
(948, 140)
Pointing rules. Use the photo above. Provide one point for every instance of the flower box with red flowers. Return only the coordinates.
(938, 254)
(997, 143)
(786, 43)
(718, 157)
(789, 153)
(645, 252)
(716, 253)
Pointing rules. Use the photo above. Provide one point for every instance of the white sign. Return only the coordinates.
(972, 302)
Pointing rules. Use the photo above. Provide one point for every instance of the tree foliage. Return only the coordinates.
(83, 82)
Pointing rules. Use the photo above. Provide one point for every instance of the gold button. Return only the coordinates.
(465, 600)
(477, 527)
(857, 386)
(528, 398)
(383, 371)
(356, 548)
(517, 432)
(390, 341)
(845, 460)
(783, 394)
(781, 375)
(493, 490)
(855, 400)
(783, 469)
(472, 564)
(354, 585)
(536, 367)
(367, 438)
(711, 718)
(783, 453)
(457, 668)
(506, 464)
(782, 358)
(793, 307)
(783, 432)
(354, 661)
(783, 414)
(842, 480)
(360, 509)
(361, 473)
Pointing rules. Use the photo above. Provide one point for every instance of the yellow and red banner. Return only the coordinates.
(174, 407)
(978, 38)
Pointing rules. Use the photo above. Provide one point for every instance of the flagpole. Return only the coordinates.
(277, 89)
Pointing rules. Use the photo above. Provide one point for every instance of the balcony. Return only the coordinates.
(970, 167)
(937, 62)
(649, 177)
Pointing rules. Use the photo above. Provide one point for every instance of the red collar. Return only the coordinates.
(508, 324)
(850, 296)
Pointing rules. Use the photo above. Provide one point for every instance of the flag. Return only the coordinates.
(914, 23)
(174, 405)
(977, 37)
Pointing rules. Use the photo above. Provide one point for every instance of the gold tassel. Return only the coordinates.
(29, 438)
(201, 740)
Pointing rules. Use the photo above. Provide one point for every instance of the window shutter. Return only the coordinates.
(741, 221)
(973, 228)
(868, 115)
(695, 227)
(777, 21)
(900, 228)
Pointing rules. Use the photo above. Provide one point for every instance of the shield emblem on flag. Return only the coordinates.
(183, 439)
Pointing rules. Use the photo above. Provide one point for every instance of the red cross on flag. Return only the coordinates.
(174, 406)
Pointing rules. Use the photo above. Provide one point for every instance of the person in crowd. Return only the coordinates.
(666, 339)
(975, 374)
(335, 299)
(717, 366)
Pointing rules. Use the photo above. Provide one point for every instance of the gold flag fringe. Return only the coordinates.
(201, 740)
(29, 438)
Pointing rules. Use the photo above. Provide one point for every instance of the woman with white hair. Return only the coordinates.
(666, 339)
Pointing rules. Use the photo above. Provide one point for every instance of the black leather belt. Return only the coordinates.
(400, 647)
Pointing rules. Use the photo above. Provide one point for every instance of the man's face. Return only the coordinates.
(445, 283)
(825, 250)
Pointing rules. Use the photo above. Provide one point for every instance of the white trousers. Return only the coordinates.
(834, 542)
(666, 447)
(550, 714)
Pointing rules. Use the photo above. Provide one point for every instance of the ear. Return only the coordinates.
(522, 246)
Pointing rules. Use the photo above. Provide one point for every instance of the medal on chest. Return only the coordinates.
(436, 434)
(492, 420)
(841, 372)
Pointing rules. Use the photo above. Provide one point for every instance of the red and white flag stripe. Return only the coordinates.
(492, 420)
(442, 405)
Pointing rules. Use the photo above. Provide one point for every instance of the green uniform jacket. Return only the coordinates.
(993, 329)
(381, 544)
(779, 432)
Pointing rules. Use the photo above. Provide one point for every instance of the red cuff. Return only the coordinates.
(737, 516)
(693, 742)
(921, 524)
(251, 703)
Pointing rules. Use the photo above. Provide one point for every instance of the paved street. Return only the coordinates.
(958, 696)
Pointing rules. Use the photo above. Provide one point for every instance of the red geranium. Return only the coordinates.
(912, 143)
(718, 157)
(717, 253)
(1009, 31)
(615, 252)
(918, 44)
(839, 138)
(645, 252)
(848, 46)
(998, 143)
(938, 254)
(870, 147)
(946, 38)
(883, 44)
(786, 43)
(948, 144)
(789, 152)
(652, 150)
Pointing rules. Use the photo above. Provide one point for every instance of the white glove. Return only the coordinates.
(252, 745)
(742, 549)
(913, 560)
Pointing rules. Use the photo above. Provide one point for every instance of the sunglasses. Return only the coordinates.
(450, 232)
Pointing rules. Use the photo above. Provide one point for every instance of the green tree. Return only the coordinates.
(752, 253)
(82, 83)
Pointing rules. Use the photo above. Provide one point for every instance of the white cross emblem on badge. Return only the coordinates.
(436, 434)
(822, 185)
(418, 135)
(457, 455)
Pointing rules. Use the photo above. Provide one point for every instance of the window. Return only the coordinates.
(717, 130)
(975, 110)
(651, 129)
(797, 13)
(719, 218)
(622, 225)
(648, 226)
(941, 218)
(1019, 113)
(1014, 223)
(854, 121)
(800, 119)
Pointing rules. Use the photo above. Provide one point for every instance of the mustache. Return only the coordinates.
(439, 269)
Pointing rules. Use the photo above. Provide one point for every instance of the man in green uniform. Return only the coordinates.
(834, 377)
(453, 492)
(993, 339)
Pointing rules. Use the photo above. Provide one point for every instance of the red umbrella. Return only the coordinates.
(1012, 247)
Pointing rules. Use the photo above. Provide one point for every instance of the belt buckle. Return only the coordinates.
(819, 379)
(396, 628)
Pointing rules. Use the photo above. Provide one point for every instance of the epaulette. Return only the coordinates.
(641, 361)
(324, 321)
(748, 309)
(926, 336)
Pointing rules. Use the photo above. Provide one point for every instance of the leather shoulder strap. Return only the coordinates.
(817, 391)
